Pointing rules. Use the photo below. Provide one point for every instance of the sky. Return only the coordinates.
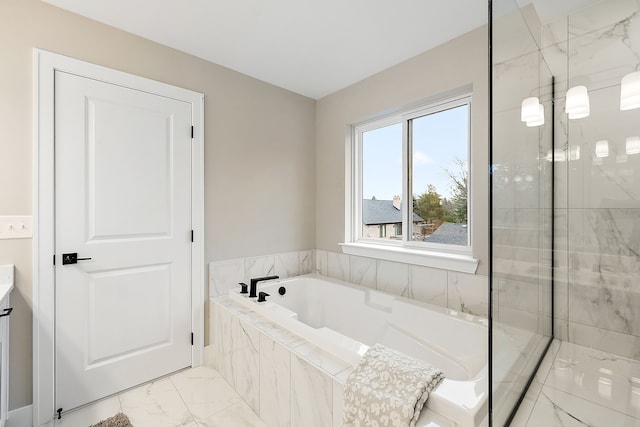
(438, 139)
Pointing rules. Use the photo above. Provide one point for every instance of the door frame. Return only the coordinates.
(44, 66)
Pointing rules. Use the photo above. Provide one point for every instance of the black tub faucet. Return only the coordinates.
(254, 282)
(243, 288)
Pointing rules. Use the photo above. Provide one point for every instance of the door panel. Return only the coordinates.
(130, 331)
(123, 199)
(138, 140)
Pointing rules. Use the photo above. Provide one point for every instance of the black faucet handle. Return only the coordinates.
(262, 296)
(243, 288)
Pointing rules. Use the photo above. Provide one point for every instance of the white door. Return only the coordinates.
(122, 199)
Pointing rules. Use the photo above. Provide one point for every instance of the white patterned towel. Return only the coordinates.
(387, 388)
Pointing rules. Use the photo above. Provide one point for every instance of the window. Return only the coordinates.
(412, 170)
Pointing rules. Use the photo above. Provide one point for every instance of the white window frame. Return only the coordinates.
(450, 257)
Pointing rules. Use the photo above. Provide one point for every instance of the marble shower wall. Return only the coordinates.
(522, 183)
(598, 198)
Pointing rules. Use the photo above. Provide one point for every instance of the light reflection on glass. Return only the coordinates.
(604, 388)
(633, 145)
(602, 148)
(559, 156)
(621, 158)
(578, 378)
(634, 396)
(574, 152)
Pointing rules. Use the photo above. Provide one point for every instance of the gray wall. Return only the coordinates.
(460, 62)
(259, 148)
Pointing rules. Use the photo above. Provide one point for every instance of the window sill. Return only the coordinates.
(425, 258)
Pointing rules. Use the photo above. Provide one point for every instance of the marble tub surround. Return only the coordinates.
(294, 381)
(194, 397)
(225, 275)
(458, 291)
(298, 384)
(578, 386)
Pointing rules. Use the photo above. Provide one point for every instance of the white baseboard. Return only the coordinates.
(21, 417)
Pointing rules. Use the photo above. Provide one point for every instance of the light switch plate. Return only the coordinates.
(16, 227)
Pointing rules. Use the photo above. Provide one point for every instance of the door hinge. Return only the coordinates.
(191, 236)
(191, 132)
(54, 259)
(191, 338)
(59, 411)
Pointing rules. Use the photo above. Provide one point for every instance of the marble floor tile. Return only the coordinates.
(526, 407)
(204, 391)
(557, 408)
(237, 415)
(156, 404)
(547, 362)
(197, 397)
(596, 376)
(91, 414)
(190, 398)
(582, 386)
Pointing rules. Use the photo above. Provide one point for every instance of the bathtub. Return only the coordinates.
(345, 319)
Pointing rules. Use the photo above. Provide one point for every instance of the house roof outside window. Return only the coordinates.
(382, 212)
(449, 233)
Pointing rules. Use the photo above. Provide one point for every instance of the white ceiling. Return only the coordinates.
(312, 47)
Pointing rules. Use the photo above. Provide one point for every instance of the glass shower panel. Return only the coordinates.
(522, 162)
(585, 55)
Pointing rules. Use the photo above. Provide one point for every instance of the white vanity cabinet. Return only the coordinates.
(6, 285)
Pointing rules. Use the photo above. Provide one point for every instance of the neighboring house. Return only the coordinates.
(450, 233)
(383, 219)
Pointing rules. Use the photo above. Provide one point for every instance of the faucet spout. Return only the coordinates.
(254, 282)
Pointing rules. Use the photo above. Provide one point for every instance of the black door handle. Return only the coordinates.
(72, 258)
(6, 312)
